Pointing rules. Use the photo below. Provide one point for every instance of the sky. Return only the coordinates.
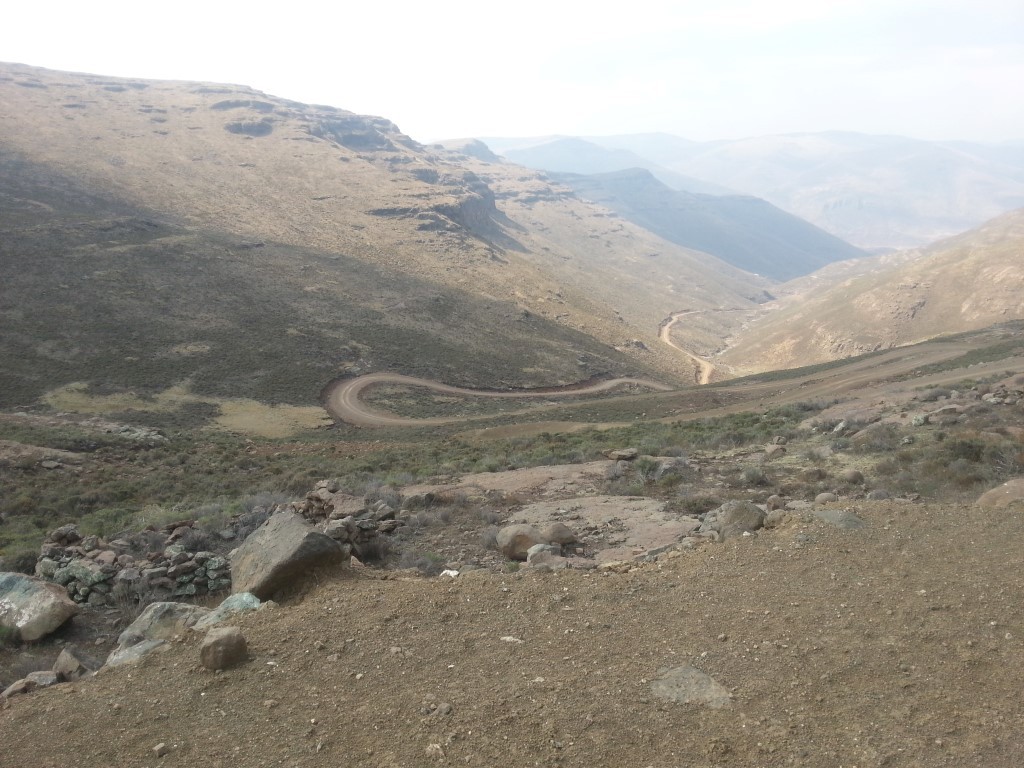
(721, 69)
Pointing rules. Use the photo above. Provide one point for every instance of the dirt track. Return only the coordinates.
(342, 399)
(868, 378)
(705, 368)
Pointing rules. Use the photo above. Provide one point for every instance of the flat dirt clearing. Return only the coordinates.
(898, 644)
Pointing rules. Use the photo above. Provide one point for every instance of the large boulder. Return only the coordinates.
(281, 552)
(31, 607)
(514, 541)
(1005, 495)
(738, 517)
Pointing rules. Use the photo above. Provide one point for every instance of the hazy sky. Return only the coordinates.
(934, 69)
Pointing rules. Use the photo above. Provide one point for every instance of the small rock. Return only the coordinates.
(825, 498)
(623, 454)
(514, 541)
(853, 477)
(161, 749)
(223, 647)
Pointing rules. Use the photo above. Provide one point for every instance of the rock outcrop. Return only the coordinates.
(281, 552)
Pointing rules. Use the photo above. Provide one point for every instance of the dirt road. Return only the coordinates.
(705, 368)
(343, 402)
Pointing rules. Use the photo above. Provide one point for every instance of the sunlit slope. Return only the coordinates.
(963, 283)
(258, 227)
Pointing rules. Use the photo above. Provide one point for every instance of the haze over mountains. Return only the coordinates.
(872, 191)
(746, 231)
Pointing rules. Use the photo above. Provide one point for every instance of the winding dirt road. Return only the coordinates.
(342, 399)
(705, 368)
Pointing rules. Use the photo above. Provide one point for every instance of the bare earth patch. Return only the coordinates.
(897, 644)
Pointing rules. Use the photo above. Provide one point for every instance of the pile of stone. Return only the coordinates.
(94, 571)
(354, 521)
(1002, 394)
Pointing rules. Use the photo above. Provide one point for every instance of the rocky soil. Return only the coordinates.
(894, 644)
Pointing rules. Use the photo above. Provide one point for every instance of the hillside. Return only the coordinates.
(747, 232)
(963, 283)
(159, 233)
(867, 581)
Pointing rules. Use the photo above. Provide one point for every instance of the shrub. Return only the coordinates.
(428, 564)
(755, 476)
(489, 537)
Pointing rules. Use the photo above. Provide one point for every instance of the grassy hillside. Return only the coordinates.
(158, 232)
(964, 283)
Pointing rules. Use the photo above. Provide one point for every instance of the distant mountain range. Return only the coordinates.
(873, 191)
(745, 231)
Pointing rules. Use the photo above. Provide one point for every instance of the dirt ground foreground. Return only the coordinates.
(897, 644)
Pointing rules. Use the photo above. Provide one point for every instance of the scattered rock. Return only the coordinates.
(133, 653)
(43, 678)
(825, 498)
(514, 541)
(223, 647)
(623, 454)
(840, 518)
(686, 685)
(734, 518)
(17, 688)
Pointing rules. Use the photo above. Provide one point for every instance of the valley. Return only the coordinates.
(321, 446)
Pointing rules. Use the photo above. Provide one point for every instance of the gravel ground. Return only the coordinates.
(898, 644)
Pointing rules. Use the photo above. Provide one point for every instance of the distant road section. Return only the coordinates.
(342, 399)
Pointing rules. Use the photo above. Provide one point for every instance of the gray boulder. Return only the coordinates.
(32, 607)
(514, 541)
(281, 552)
(133, 653)
(72, 665)
(161, 621)
(233, 605)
